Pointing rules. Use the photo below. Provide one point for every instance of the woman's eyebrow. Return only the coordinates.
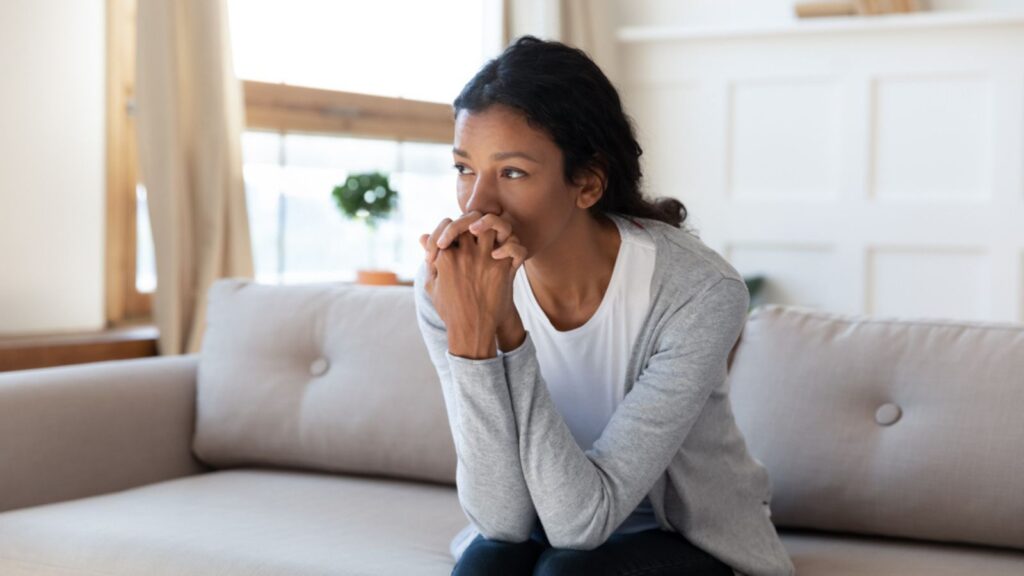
(499, 155)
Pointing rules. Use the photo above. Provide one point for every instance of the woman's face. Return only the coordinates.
(509, 168)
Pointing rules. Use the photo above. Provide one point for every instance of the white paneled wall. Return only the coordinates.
(52, 179)
(862, 165)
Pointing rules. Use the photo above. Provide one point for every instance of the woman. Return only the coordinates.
(582, 337)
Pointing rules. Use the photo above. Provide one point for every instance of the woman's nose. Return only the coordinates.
(483, 199)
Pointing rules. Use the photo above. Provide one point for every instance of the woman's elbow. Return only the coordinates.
(498, 525)
(503, 534)
(575, 541)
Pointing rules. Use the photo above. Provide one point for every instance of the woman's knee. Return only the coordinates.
(566, 562)
(484, 556)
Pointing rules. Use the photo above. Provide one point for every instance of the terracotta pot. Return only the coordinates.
(376, 277)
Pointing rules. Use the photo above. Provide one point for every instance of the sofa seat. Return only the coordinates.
(829, 553)
(279, 521)
(239, 521)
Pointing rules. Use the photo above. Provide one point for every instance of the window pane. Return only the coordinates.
(264, 183)
(299, 233)
(428, 53)
(145, 262)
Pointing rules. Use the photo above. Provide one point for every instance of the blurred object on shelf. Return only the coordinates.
(816, 9)
(855, 7)
(887, 6)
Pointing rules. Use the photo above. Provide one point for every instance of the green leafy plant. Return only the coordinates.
(367, 196)
(755, 285)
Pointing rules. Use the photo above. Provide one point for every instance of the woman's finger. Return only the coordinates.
(519, 256)
(431, 243)
(431, 269)
(512, 249)
(512, 239)
(486, 240)
(455, 228)
(492, 221)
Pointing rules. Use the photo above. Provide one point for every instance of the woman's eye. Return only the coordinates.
(510, 173)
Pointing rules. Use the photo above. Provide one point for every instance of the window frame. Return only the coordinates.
(124, 303)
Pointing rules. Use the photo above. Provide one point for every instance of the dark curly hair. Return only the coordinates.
(562, 92)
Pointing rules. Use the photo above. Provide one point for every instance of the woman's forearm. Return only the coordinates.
(489, 477)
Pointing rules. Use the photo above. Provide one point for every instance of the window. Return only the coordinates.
(331, 87)
(378, 97)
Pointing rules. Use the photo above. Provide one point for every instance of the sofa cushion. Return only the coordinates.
(815, 553)
(240, 522)
(330, 376)
(887, 426)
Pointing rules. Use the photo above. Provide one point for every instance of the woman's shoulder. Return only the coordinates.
(684, 262)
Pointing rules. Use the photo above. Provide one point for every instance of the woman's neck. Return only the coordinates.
(573, 273)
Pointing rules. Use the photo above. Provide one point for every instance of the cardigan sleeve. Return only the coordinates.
(491, 489)
(582, 497)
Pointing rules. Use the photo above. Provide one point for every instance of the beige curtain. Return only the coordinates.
(586, 24)
(190, 119)
(577, 24)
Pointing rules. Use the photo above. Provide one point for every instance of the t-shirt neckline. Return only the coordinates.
(613, 286)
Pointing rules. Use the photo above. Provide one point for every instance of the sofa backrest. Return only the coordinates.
(331, 377)
(886, 426)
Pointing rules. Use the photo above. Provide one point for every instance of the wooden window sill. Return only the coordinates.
(42, 351)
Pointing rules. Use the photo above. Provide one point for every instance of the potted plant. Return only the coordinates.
(369, 198)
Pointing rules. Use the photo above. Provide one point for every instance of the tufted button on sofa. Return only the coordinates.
(319, 367)
(309, 437)
(888, 414)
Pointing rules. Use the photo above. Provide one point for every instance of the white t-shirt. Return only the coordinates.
(585, 368)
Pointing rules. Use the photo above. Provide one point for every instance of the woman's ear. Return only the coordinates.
(593, 180)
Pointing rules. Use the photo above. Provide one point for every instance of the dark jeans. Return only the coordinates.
(647, 553)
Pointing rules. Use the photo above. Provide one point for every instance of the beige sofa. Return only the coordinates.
(309, 437)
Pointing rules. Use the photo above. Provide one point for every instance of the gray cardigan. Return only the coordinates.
(673, 436)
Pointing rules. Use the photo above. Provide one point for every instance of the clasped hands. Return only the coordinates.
(472, 262)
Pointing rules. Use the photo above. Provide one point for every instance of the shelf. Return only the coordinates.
(823, 25)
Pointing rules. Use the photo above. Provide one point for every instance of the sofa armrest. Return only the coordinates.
(74, 431)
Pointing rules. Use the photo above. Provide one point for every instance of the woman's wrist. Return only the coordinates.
(511, 333)
(478, 345)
